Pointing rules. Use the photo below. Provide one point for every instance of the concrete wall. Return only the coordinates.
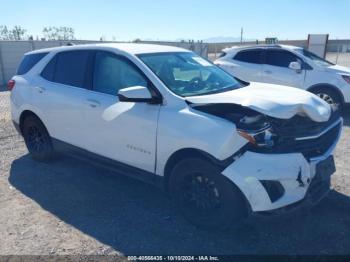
(11, 52)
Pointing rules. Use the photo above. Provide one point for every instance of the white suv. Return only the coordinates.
(221, 148)
(289, 66)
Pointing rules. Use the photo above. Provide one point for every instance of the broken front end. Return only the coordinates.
(285, 161)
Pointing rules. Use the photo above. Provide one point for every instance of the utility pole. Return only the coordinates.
(241, 35)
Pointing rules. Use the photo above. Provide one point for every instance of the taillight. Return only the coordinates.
(11, 84)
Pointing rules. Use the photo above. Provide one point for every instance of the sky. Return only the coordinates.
(126, 20)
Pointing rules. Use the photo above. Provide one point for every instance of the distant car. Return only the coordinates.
(221, 148)
(289, 66)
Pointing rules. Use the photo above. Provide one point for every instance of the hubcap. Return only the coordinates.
(326, 98)
(200, 193)
(35, 139)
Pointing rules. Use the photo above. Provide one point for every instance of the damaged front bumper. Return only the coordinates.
(272, 182)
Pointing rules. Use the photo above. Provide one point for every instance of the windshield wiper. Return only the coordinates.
(230, 88)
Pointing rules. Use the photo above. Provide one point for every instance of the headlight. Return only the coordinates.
(256, 129)
(247, 136)
(346, 78)
(262, 139)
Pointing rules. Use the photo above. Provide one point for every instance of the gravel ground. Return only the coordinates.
(71, 207)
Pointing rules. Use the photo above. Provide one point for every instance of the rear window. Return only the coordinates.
(28, 62)
(250, 56)
(49, 70)
(69, 68)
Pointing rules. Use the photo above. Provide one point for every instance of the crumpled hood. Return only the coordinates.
(272, 100)
(338, 69)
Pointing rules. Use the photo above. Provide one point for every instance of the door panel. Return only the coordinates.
(62, 106)
(60, 93)
(282, 76)
(122, 131)
(247, 72)
(247, 65)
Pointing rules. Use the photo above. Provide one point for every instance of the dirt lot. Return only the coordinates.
(72, 207)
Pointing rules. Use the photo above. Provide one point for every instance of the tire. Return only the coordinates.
(330, 96)
(37, 139)
(204, 196)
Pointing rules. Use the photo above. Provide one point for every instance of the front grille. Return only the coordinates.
(316, 145)
(299, 126)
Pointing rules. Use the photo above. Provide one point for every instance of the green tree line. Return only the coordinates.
(49, 33)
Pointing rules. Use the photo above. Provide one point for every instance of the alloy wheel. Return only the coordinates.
(35, 140)
(200, 193)
(326, 98)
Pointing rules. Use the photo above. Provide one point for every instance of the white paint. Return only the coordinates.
(147, 135)
(285, 76)
(283, 168)
(273, 100)
(138, 92)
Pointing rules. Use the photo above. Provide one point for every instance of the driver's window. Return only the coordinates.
(113, 73)
(280, 58)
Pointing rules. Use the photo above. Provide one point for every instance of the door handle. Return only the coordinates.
(40, 89)
(93, 103)
(268, 71)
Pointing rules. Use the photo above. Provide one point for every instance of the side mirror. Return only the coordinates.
(137, 94)
(296, 66)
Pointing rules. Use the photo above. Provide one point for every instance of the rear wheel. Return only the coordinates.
(204, 196)
(37, 139)
(330, 96)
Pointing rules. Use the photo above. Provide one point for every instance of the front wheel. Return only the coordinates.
(330, 96)
(37, 139)
(204, 196)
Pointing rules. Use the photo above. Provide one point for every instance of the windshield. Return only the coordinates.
(315, 58)
(187, 74)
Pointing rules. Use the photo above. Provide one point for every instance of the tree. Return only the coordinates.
(16, 33)
(58, 33)
(137, 40)
(4, 33)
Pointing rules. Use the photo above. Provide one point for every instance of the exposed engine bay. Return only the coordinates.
(272, 135)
